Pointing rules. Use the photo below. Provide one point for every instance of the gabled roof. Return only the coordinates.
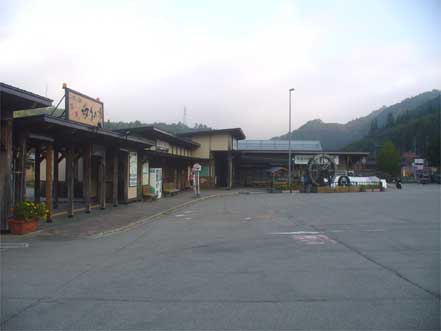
(235, 132)
(14, 98)
(152, 132)
(279, 145)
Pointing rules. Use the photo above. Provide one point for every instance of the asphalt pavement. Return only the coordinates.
(248, 261)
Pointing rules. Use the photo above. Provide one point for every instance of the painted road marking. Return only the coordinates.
(180, 215)
(187, 212)
(308, 237)
(297, 232)
(374, 230)
(187, 218)
(246, 218)
(314, 239)
(13, 245)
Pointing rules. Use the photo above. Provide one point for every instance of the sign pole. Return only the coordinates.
(198, 185)
(195, 170)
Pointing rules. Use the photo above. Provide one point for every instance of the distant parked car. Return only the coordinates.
(436, 178)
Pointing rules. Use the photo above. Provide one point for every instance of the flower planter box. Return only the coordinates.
(23, 226)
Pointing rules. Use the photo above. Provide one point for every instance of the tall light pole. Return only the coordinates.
(289, 144)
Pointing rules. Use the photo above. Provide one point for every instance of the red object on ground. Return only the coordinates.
(22, 226)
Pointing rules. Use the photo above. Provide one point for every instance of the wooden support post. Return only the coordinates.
(125, 181)
(37, 161)
(102, 181)
(175, 175)
(70, 180)
(55, 183)
(115, 179)
(139, 176)
(230, 171)
(6, 168)
(87, 171)
(20, 178)
(49, 160)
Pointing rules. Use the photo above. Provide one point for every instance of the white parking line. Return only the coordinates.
(297, 232)
(13, 245)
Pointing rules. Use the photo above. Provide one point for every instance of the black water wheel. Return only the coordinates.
(321, 170)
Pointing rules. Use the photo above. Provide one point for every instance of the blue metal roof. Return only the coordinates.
(278, 145)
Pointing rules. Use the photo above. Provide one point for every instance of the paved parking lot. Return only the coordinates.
(250, 261)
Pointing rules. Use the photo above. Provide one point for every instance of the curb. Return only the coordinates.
(152, 217)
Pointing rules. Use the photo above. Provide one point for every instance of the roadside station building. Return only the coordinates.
(76, 165)
(171, 153)
(216, 148)
(11, 181)
(255, 157)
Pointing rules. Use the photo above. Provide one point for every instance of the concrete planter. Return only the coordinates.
(21, 227)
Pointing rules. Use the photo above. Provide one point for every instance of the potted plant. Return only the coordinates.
(26, 216)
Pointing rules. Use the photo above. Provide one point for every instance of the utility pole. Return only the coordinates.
(185, 116)
(289, 145)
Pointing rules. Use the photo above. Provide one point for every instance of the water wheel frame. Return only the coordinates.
(321, 170)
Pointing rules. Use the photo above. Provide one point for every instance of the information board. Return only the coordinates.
(145, 173)
(133, 169)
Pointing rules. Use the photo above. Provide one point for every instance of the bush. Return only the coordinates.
(389, 159)
(27, 210)
(285, 186)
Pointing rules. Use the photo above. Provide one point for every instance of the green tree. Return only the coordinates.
(434, 151)
(374, 127)
(390, 121)
(389, 159)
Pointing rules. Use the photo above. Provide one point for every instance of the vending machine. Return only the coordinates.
(156, 182)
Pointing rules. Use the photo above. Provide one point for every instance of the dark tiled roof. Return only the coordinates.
(235, 132)
(279, 145)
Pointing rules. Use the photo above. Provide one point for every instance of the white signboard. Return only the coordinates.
(197, 167)
(162, 145)
(145, 173)
(133, 169)
(304, 159)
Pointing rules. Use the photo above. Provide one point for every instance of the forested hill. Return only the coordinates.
(416, 130)
(173, 127)
(335, 136)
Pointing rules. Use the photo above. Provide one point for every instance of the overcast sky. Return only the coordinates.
(230, 63)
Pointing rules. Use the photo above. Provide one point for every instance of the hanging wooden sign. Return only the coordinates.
(84, 109)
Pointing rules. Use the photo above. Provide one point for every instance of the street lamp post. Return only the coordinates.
(289, 144)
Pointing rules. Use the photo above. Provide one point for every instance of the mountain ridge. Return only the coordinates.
(335, 136)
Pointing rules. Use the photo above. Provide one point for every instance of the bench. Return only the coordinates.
(169, 189)
(147, 194)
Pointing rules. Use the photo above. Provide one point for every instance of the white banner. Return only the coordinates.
(162, 146)
(304, 159)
